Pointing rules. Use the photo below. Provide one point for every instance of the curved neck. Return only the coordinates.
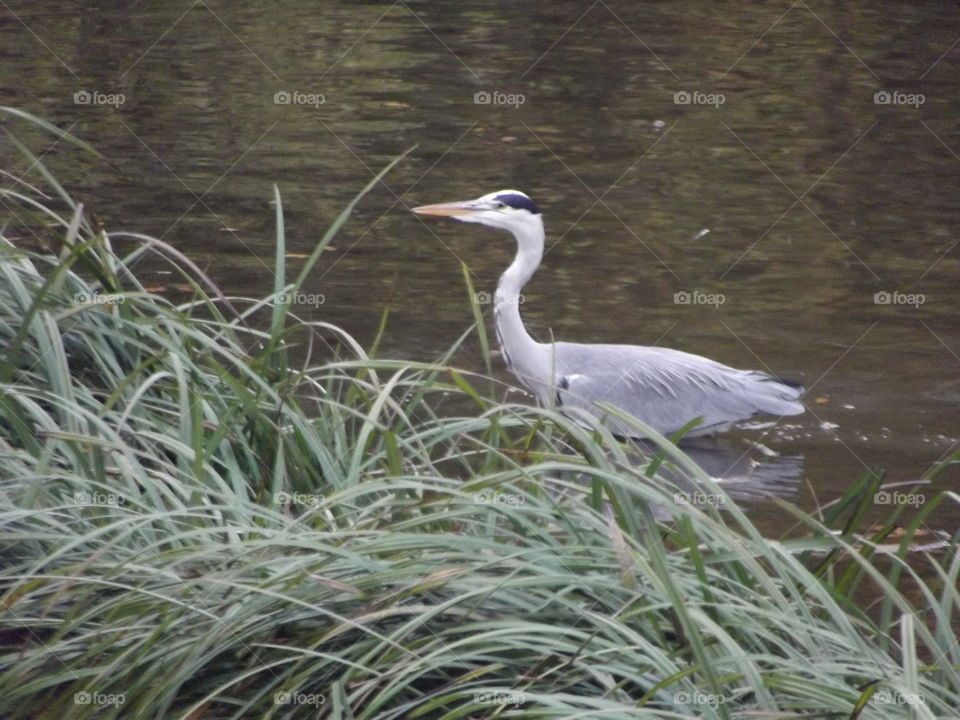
(519, 349)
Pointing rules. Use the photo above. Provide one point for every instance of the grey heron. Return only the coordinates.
(666, 389)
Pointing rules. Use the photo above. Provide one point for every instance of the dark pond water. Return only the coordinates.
(793, 168)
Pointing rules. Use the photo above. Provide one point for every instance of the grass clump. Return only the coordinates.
(193, 525)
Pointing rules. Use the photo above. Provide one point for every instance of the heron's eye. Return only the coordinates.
(500, 205)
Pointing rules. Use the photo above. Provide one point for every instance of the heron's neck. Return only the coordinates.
(515, 342)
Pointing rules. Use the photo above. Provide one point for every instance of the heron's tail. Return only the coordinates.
(777, 396)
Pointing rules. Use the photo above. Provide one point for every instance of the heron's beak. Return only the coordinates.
(447, 209)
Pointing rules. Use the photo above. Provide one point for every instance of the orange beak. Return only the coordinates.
(446, 209)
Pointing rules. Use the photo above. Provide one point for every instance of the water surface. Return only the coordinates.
(812, 224)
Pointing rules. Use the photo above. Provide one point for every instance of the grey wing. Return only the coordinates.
(665, 388)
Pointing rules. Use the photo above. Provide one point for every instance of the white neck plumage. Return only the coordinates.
(516, 344)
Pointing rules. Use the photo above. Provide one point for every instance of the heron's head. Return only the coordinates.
(507, 209)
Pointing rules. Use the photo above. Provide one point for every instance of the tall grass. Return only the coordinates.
(195, 525)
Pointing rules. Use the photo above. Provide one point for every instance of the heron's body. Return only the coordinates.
(666, 389)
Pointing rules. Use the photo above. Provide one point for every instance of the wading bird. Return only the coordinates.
(666, 389)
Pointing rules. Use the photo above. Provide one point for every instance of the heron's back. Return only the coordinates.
(665, 388)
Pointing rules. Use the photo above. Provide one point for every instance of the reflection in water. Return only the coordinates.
(747, 475)
(744, 475)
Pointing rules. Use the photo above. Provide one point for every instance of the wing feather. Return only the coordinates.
(666, 388)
